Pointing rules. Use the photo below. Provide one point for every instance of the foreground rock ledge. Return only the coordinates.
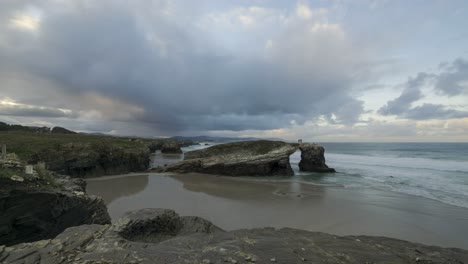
(161, 236)
(248, 158)
(31, 210)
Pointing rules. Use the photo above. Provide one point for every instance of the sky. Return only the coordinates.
(320, 70)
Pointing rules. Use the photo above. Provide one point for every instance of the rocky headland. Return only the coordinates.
(78, 155)
(43, 204)
(162, 236)
(252, 158)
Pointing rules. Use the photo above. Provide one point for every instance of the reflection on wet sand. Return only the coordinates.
(233, 203)
(243, 189)
(112, 188)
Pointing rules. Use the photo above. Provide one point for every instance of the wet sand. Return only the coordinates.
(234, 203)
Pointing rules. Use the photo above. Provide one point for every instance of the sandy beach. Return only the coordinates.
(237, 203)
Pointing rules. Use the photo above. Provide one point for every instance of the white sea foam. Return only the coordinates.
(442, 180)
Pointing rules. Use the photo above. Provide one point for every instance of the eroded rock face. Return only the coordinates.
(204, 243)
(171, 147)
(97, 159)
(31, 211)
(249, 158)
(313, 158)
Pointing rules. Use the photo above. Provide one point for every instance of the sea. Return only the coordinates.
(437, 171)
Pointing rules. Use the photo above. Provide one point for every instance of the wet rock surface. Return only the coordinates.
(313, 158)
(248, 158)
(199, 244)
(32, 209)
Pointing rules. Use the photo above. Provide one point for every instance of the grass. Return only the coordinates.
(8, 173)
(27, 144)
(258, 147)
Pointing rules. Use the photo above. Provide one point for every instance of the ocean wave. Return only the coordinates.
(399, 162)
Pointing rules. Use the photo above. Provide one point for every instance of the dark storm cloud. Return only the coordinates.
(402, 105)
(151, 58)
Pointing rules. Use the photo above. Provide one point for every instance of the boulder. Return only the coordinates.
(162, 236)
(171, 147)
(313, 158)
(156, 225)
(248, 158)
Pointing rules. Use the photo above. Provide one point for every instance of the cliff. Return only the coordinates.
(81, 155)
(41, 205)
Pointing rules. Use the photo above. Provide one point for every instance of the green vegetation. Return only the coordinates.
(80, 155)
(7, 173)
(26, 144)
(258, 147)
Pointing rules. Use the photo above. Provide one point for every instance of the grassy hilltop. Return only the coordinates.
(81, 155)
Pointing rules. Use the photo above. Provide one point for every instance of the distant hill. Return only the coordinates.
(61, 130)
(7, 127)
(35, 129)
(220, 139)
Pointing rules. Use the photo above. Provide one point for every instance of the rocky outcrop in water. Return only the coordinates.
(252, 158)
(313, 158)
(248, 158)
(161, 236)
(33, 208)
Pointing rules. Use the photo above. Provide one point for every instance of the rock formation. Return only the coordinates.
(252, 158)
(248, 158)
(87, 160)
(33, 208)
(161, 236)
(171, 147)
(313, 158)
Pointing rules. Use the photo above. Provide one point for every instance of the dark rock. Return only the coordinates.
(313, 158)
(204, 243)
(155, 146)
(87, 160)
(156, 225)
(171, 147)
(248, 158)
(31, 211)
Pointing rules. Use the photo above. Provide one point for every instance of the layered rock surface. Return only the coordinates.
(248, 158)
(313, 158)
(161, 236)
(33, 209)
(252, 158)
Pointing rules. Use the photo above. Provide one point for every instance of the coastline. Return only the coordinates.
(237, 203)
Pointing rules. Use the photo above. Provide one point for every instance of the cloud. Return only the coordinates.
(169, 71)
(411, 93)
(11, 108)
(454, 78)
(449, 82)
